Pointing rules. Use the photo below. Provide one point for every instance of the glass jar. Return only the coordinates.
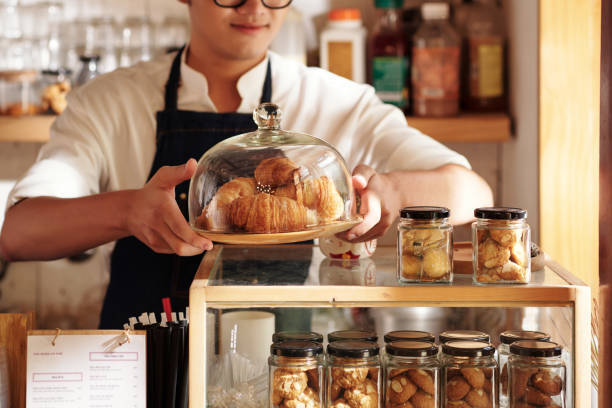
(411, 374)
(501, 241)
(536, 374)
(409, 335)
(55, 85)
(19, 93)
(89, 68)
(469, 374)
(463, 335)
(425, 245)
(296, 374)
(352, 374)
(358, 335)
(282, 336)
(503, 353)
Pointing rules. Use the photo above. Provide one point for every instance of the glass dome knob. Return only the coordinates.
(267, 116)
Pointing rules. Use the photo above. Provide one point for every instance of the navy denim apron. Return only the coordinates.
(140, 278)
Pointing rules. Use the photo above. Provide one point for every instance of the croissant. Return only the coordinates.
(277, 171)
(319, 194)
(215, 216)
(265, 213)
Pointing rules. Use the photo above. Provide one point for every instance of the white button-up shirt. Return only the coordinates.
(105, 140)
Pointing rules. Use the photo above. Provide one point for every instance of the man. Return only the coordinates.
(117, 164)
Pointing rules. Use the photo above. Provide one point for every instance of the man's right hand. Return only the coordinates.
(155, 218)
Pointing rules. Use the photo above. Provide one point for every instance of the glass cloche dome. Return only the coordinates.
(271, 186)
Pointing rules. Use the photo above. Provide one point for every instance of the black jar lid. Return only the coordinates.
(405, 348)
(297, 336)
(463, 335)
(296, 349)
(468, 348)
(533, 348)
(364, 335)
(425, 213)
(353, 348)
(500, 213)
(510, 336)
(412, 335)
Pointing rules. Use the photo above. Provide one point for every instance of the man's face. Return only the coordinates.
(234, 33)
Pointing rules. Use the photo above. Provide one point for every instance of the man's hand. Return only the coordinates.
(379, 204)
(155, 218)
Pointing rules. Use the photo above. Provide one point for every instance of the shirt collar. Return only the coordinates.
(193, 93)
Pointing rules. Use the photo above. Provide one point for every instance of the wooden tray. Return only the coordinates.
(281, 237)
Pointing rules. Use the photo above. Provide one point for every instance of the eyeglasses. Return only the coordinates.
(272, 4)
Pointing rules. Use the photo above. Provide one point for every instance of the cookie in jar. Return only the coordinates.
(352, 374)
(425, 245)
(412, 374)
(501, 242)
(536, 374)
(296, 374)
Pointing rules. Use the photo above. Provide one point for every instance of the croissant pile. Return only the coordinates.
(275, 200)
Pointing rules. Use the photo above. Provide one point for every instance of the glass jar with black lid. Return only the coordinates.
(501, 245)
(411, 374)
(361, 335)
(425, 245)
(409, 335)
(352, 374)
(296, 374)
(463, 335)
(469, 374)
(503, 353)
(536, 374)
(279, 337)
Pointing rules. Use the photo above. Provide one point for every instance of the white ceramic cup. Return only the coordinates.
(248, 333)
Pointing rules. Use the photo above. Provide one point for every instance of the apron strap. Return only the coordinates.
(171, 99)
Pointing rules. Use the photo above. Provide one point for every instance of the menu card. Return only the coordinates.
(67, 369)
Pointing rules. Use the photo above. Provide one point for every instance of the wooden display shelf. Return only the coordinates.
(463, 128)
(243, 277)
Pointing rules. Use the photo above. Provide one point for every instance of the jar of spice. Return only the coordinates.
(296, 374)
(425, 245)
(537, 374)
(501, 242)
(352, 374)
(469, 374)
(412, 374)
(503, 353)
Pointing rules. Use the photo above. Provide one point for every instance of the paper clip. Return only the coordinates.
(57, 333)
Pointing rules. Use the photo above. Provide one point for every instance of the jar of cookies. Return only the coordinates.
(503, 353)
(19, 93)
(469, 375)
(501, 242)
(279, 337)
(409, 335)
(536, 374)
(412, 374)
(463, 335)
(425, 245)
(296, 374)
(352, 375)
(360, 335)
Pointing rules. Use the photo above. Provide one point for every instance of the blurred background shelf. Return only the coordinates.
(470, 128)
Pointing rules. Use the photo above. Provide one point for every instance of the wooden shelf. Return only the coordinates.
(467, 128)
(33, 129)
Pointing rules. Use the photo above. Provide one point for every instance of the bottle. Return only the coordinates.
(290, 42)
(483, 77)
(501, 242)
(425, 245)
(469, 374)
(343, 44)
(387, 51)
(503, 353)
(89, 68)
(435, 64)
